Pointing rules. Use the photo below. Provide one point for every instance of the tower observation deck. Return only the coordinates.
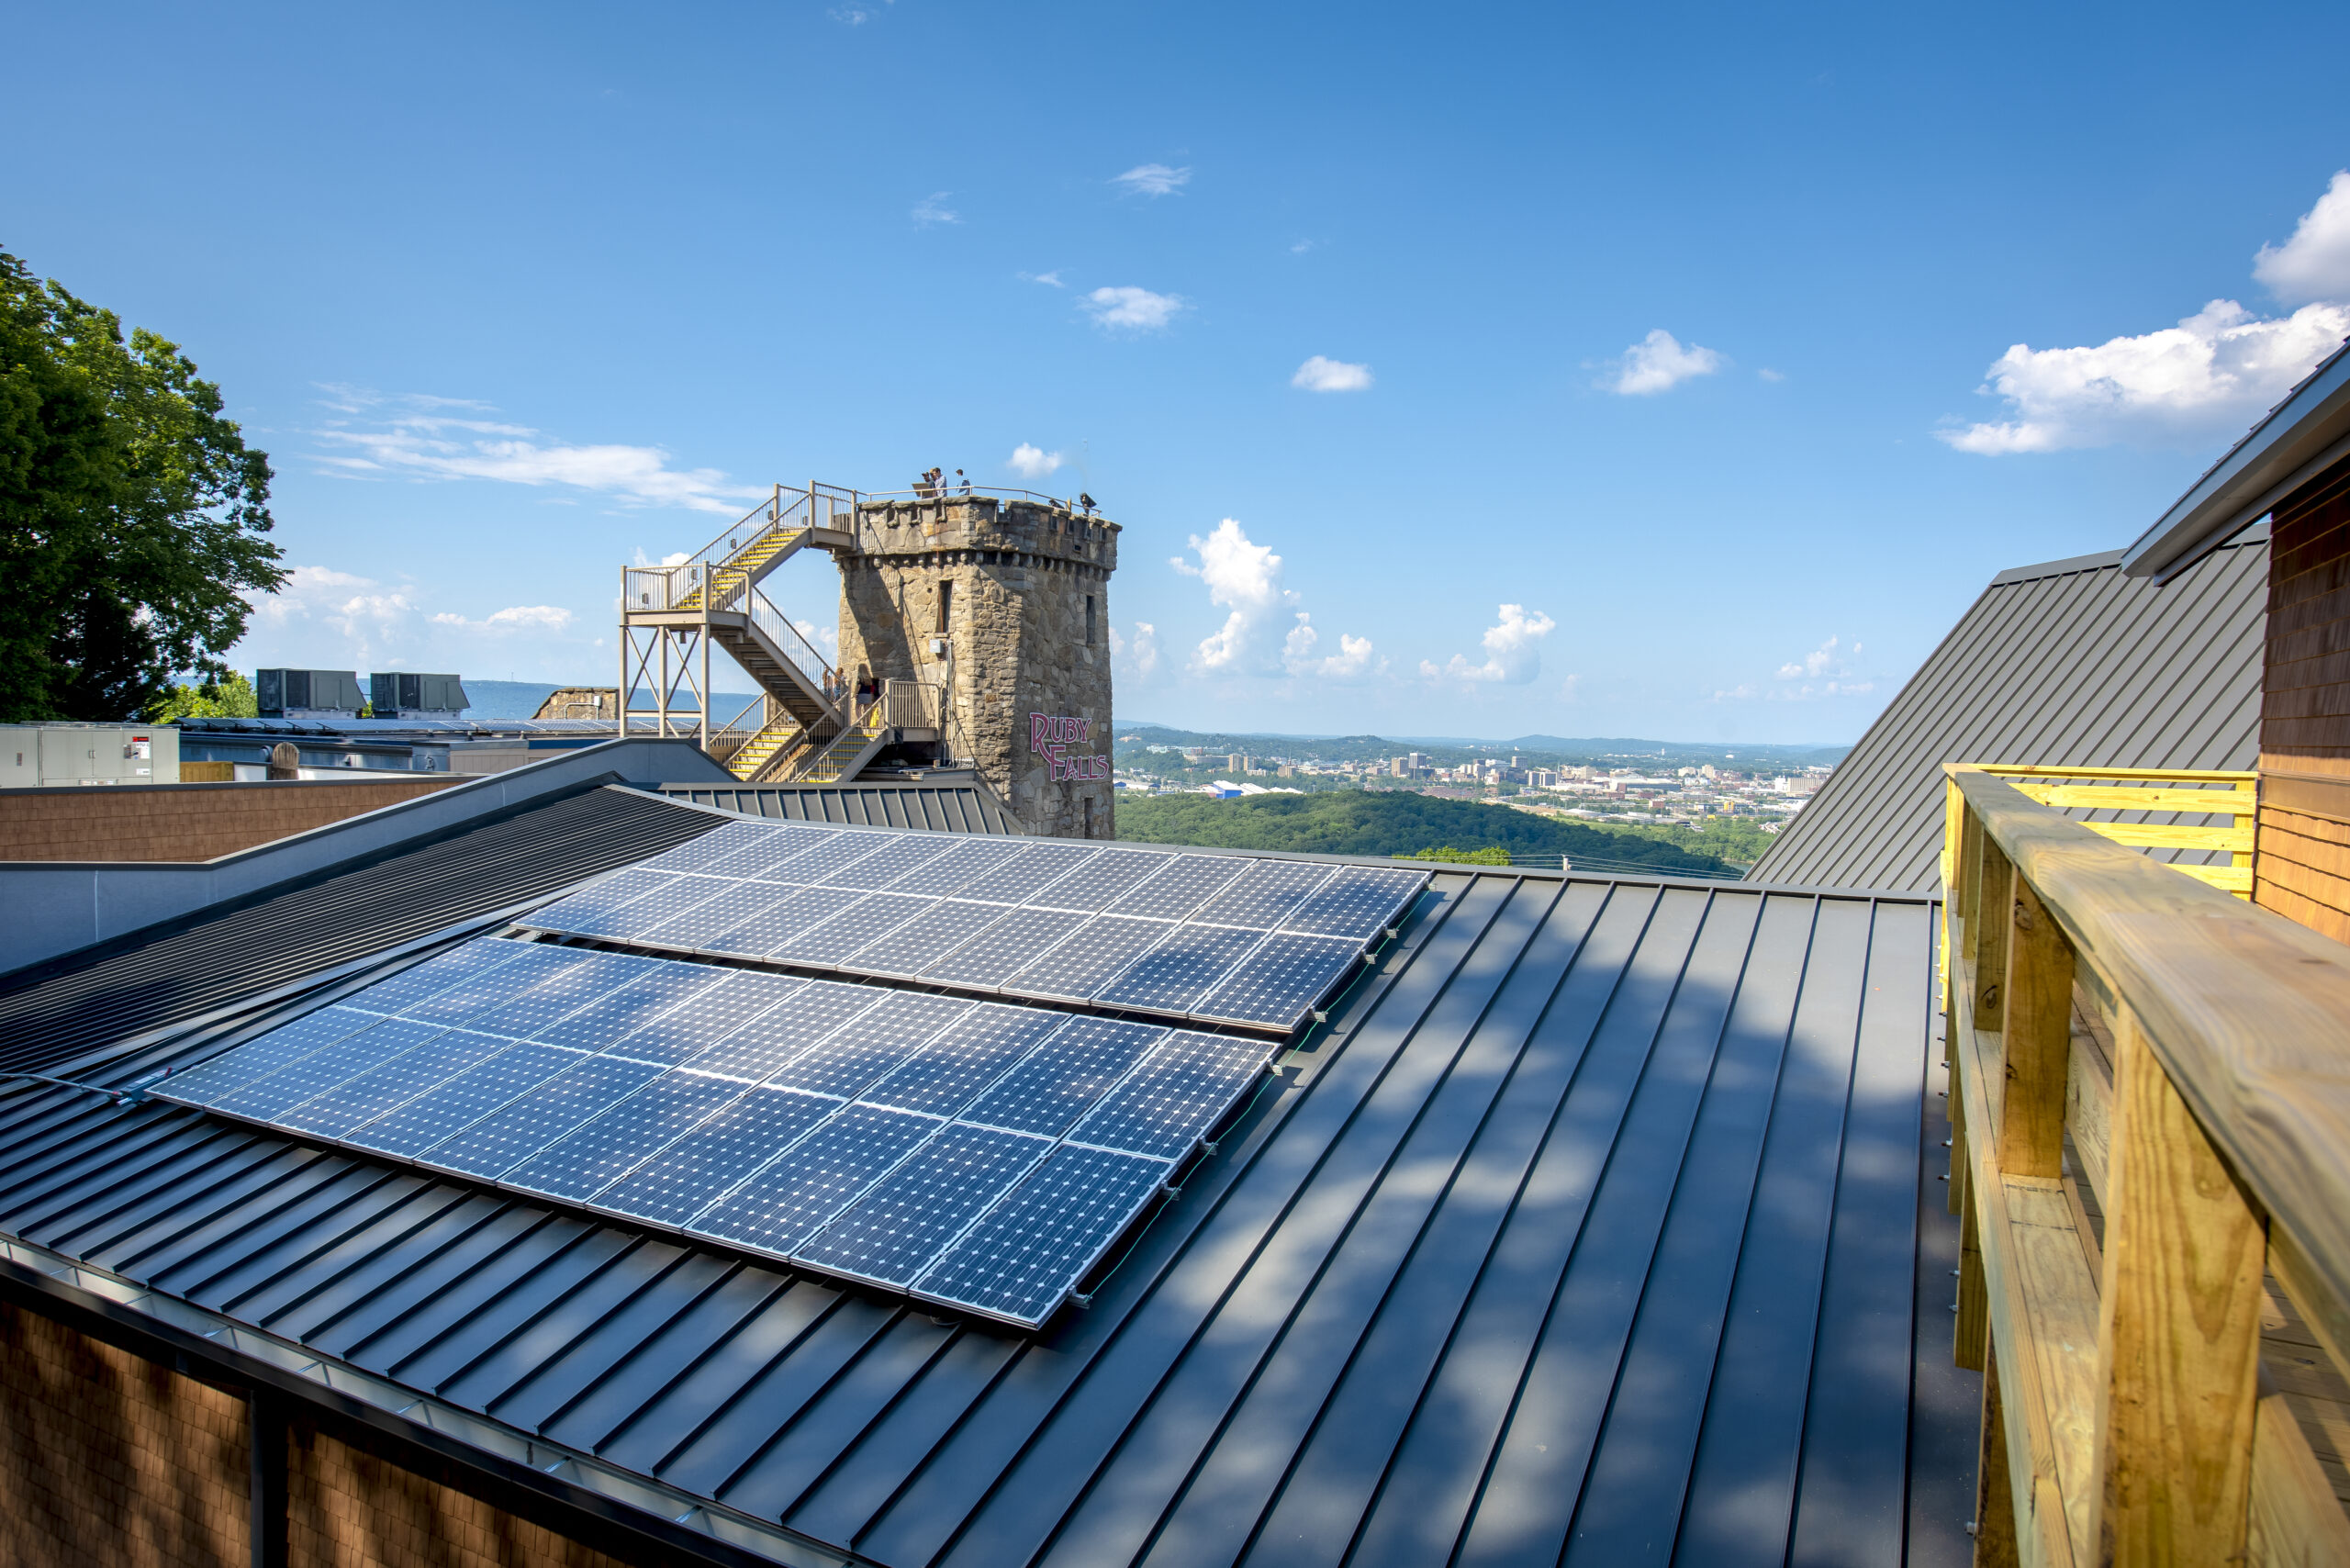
(974, 631)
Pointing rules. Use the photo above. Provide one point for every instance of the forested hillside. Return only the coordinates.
(1355, 822)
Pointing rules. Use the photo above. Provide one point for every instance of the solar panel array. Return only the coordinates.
(1207, 938)
(975, 1154)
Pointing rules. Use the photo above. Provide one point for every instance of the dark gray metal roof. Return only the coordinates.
(1588, 1230)
(2070, 664)
(2301, 437)
(958, 804)
(227, 953)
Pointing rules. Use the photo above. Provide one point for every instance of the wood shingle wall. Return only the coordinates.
(2303, 868)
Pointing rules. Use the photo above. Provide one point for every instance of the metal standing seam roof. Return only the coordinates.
(2070, 664)
(63, 1009)
(1588, 1231)
(959, 806)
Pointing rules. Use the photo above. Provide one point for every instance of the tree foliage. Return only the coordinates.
(132, 514)
(231, 697)
(1369, 821)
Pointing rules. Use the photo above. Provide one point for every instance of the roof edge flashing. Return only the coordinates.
(2307, 431)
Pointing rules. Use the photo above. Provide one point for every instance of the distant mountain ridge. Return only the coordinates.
(1549, 749)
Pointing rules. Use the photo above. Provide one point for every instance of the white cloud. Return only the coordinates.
(1034, 463)
(327, 619)
(1512, 657)
(856, 16)
(1050, 280)
(1767, 374)
(410, 438)
(1321, 375)
(1826, 671)
(2216, 370)
(1153, 180)
(1303, 246)
(1659, 363)
(1139, 653)
(505, 622)
(675, 558)
(1131, 309)
(933, 208)
(1301, 653)
(1245, 579)
(2315, 263)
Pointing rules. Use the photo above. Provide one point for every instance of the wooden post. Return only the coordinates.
(1970, 1329)
(1987, 932)
(2178, 1331)
(1995, 1504)
(2035, 1036)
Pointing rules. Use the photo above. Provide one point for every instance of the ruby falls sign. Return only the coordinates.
(1053, 737)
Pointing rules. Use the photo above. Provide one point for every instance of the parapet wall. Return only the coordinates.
(1021, 641)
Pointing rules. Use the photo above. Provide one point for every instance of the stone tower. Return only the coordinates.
(1005, 605)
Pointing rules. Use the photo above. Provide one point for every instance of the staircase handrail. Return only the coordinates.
(787, 637)
(749, 528)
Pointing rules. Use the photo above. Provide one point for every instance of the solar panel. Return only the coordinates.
(584, 978)
(1102, 879)
(965, 862)
(456, 1102)
(1262, 897)
(819, 863)
(231, 1072)
(623, 1136)
(1186, 962)
(638, 917)
(721, 912)
(533, 966)
(1038, 1241)
(706, 1017)
(1281, 981)
(1357, 901)
(720, 849)
(539, 1116)
(599, 900)
(909, 1217)
(1168, 1104)
(869, 1045)
(1003, 949)
(757, 936)
(1180, 887)
(784, 1202)
(1061, 1078)
(977, 1154)
(928, 938)
(780, 1035)
(336, 1111)
(873, 917)
(1088, 960)
(652, 990)
(963, 1059)
(677, 1181)
(893, 861)
(323, 1070)
(1033, 867)
(440, 972)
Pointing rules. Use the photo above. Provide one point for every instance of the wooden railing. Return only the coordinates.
(2150, 1152)
(2153, 791)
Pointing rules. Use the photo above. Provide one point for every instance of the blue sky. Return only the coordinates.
(1478, 371)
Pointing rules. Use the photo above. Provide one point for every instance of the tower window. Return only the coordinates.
(1088, 620)
(946, 608)
(1087, 804)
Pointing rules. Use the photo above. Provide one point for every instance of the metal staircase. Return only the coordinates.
(805, 728)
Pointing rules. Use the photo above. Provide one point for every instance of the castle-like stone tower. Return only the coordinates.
(1006, 605)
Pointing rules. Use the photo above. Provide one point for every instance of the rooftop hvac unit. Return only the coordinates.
(397, 694)
(302, 693)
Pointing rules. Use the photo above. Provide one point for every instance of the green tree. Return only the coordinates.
(229, 698)
(132, 514)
